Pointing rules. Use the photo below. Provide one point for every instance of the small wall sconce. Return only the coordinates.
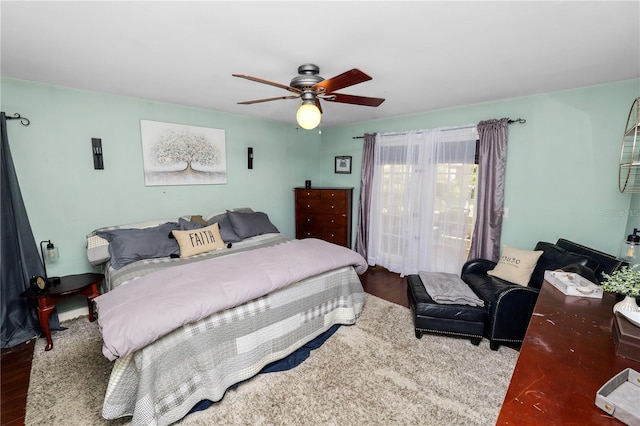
(50, 254)
(630, 248)
(96, 147)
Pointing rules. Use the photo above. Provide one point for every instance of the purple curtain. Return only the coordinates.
(366, 176)
(492, 164)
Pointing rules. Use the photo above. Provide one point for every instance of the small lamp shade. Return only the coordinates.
(51, 253)
(630, 248)
(308, 116)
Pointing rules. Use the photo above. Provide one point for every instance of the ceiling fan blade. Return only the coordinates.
(268, 99)
(353, 99)
(270, 83)
(346, 79)
(318, 105)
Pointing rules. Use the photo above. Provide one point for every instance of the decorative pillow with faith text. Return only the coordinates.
(199, 240)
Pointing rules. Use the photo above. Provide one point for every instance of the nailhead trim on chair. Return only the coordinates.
(452, 333)
(448, 332)
(506, 340)
(493, 325)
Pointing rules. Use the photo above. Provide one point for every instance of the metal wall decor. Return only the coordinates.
(629, 169)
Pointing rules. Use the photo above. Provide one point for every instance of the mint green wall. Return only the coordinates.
(562, 166)
(66, 198)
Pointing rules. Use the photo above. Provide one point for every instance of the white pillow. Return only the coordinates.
(516, 265)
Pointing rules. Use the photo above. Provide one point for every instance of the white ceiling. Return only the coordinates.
(422, 55)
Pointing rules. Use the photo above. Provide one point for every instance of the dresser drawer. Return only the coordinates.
(321, 206)
(306, 194)
(312, 221)
(336, 236)
(333, 235)
(329, 194)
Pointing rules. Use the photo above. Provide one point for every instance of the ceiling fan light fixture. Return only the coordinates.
(308, 115)
(311, 88)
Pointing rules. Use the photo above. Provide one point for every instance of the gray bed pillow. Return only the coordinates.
(227, 233)
(250, 224)
(130, 245)
(187, 225)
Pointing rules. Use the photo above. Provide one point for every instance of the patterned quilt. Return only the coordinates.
(161, 382)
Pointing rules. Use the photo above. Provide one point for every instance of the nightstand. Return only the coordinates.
(70, 286)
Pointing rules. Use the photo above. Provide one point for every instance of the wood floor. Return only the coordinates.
(15, 368)
(16, 362)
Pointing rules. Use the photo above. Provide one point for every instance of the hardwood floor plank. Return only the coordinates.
(15, 370)
(386, 285)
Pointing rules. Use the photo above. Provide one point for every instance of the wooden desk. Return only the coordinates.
(69, 286)
(568, 353)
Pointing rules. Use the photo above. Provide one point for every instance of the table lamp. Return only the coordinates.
(50, 254)
(630, 248)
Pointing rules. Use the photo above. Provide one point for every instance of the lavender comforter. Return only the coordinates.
(135, 315)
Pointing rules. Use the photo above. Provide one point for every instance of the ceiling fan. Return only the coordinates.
(311, 87)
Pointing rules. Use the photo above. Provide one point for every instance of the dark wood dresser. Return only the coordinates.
(324, 213)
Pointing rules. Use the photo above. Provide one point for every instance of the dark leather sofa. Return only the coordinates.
(510, 306)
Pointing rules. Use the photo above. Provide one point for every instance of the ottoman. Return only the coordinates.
(453, 320)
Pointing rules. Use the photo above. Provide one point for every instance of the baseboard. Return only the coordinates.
(73, 313)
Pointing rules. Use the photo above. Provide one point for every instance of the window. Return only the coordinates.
(454, 206)
(422, 200)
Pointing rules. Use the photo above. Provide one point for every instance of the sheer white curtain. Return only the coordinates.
(421, 199)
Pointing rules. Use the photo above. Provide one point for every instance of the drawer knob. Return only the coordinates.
(308, 233)
(332, 206)
(333, 221)
(308, 205)
(308, 220)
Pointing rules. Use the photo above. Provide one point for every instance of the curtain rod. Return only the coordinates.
(23, 120)
(517, 120)
(361, 137)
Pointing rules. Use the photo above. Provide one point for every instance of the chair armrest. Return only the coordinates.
(511, 312)
(477, 266)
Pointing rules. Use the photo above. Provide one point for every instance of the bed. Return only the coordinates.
(262, 319)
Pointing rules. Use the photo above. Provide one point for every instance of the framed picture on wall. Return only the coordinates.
(177, 154)
(343, 164)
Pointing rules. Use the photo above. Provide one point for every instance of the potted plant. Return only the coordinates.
(624, 281)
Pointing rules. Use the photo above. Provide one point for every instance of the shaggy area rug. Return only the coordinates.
(374, 372)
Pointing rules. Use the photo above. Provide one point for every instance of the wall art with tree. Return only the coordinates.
(177, 154)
